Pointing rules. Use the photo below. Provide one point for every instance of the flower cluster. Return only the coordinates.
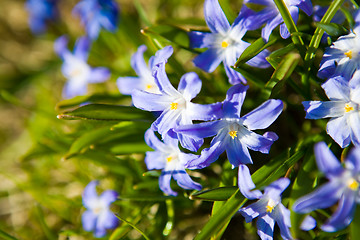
(187, 135)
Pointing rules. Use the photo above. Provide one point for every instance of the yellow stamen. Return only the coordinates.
(233, 134)
(348, 54)
(168, 159)
(224, 44)
(174, 106)
(270, 206)
(348, 108)
(97, 210)
(149, 86)
(353, 184)
(75, 73)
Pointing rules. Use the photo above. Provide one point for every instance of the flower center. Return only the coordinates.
(353, 184)
(149, 86)
(97, 210)
(169, 159)
(348, 54)
(233, 134)
(224, 44)
(348, 108)
(174, 106)
(270, 206)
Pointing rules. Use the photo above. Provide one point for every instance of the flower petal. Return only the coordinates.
(269, 27)
(206, 112)
(237, 153)
(108, 197)
(73, 88)
(326, 161)
(264, 115)
(208, 156)
(234, 99)
(254, 210)
(284, 32)
(138, 62)
(89, 196)
(246, 184)
(282, 217)
(155, 160)
(254, 141)
(198, 39)
(234, 77)
(325, 196)
(88, 219)
(81, 48)
(60, 46)
(339, 130)
(163, 82)
(308, 223)
(150, 101)
(208, 60)
(99, 75)
(215, 17)
(201, 130)
(189, 85)
(275, 189)
(190, 143)
(352, 161)
(127, 85)
(164, 184)
(318, 109)
(265, 226)
(183, 180)
(337, 88)
(344, 213)
(354, 123)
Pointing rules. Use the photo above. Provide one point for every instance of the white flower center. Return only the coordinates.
(178, 104)
(270, 205)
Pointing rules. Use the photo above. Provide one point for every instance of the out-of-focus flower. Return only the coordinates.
(269, 210)
(342, 57)
(343, 186)
(272, 17)
(98, 216)
(175, 105)
(234, 133)
(224, 42)
(97, 14)
(40, 13)
(343, 109)
(168, 157)
(145, 80)
(76, 69)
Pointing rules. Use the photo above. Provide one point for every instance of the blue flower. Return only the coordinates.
(40, 13)
(175, 105)
(343, 109)
(224, 42)
(97, 14)
(343, 186)
(269, 210)
(76, 69)
(234, 133)
(145, 80)
(168, 157)
(342, 57)
(272, 17)
(98, 216)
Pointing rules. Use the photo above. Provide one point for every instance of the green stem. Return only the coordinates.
(290, 24)
(315, 42)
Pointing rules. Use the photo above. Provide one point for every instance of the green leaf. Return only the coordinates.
(276, 56)
(252, 50)
(78, 100)
(250, 76)
(106, 112)
(133, 226)
(5, 236)
(332, 29)
(147, 198)
(105, 134)
(221, 218)
(163, 35)
(216, 194)
(281, 73)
